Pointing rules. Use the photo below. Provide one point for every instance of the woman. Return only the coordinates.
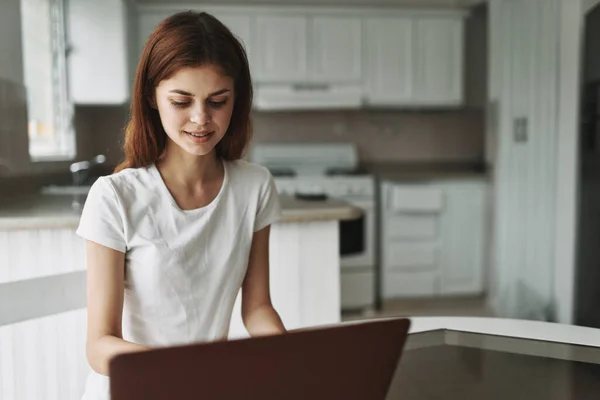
(183, 223)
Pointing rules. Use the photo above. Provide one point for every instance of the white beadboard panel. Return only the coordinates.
(42, 342)
(34, 298)
(32, 253)
(526, 170)
(44, 358)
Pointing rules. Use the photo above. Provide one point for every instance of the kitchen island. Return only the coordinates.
(37, 239)
(42, 285)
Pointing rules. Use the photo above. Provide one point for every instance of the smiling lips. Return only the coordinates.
(199, 136)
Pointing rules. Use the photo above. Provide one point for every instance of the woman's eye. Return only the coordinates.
(180, 104)
(217, 104)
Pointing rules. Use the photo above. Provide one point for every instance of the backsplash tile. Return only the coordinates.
(15, 99)
(383, 136)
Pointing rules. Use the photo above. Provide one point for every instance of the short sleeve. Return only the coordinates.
(269, 208)
(102, 219)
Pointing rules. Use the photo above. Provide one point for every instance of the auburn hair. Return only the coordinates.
(186, 39)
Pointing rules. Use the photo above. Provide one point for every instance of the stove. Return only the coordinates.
(315, 172)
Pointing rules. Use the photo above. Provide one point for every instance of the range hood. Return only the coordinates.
(274, 97)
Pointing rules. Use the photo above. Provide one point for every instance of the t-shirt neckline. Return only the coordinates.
(163, 187)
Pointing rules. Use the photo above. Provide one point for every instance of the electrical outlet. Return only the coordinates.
(520, 130)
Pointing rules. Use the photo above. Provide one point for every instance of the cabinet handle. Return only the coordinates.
(311, 86)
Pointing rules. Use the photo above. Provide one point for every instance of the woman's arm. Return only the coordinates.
(258, 314)
(105, 285)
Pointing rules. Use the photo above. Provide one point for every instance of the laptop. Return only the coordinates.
(347, 361)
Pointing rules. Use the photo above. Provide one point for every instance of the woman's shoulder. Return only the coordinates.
(126, 180)
(249, 171)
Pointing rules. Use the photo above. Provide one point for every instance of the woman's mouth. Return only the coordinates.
(199, 137)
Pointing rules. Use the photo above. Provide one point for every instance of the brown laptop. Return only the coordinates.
(348, 361)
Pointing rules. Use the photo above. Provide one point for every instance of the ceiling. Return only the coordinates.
(372, 3)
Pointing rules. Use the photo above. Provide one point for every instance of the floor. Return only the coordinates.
(464, 307)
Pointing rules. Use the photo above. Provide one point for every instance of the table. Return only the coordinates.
(481, 358)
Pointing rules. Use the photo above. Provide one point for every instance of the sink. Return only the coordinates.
(65, 190)
(77, 195)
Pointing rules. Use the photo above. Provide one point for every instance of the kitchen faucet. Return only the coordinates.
(80, 170)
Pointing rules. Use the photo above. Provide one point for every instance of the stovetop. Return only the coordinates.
(329, 172)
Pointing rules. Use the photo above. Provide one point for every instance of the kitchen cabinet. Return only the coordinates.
(439, 61)
(335, 49)
(303, 48)
(281, 44)
(414, 61)
(432, 239)
(99, 59)
(389, 44)
(312, 58)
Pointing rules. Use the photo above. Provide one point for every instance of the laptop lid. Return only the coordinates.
(347, 361)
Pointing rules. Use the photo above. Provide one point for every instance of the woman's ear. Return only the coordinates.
(152, 102)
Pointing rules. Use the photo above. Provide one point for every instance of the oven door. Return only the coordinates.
(357, 239)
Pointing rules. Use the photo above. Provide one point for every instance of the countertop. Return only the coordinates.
(507, 327)
(55, 212)
(427, 171)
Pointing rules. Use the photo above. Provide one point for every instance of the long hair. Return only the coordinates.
(186, 39)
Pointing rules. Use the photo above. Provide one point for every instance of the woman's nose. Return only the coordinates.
(200, 116)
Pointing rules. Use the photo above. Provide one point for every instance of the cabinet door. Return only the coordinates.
(335, 49)
(463, 235)
(439, 61)
(98, 62)
(389, 60)
(280, 53)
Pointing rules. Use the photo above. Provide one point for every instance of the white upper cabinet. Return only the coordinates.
(98, 60)
(439, 61)
(389, 44)
(414, 61)
(403, 58)
(335, 49)
(280, 48)
(308, 49)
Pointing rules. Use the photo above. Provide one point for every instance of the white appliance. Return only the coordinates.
(332, 170)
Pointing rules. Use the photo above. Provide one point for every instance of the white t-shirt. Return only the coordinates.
(183, 268)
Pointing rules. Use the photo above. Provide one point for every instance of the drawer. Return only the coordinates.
(408, 284)
(412, 226)
(411, 256)
(415, 199)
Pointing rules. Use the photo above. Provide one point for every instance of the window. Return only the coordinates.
(50, 114)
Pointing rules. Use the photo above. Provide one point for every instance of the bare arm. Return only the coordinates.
(105, 285)
(258, 314)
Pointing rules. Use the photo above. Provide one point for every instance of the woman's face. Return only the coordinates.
(195, 107)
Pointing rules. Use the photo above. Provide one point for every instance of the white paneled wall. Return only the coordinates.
(525, 46)
(42, 358)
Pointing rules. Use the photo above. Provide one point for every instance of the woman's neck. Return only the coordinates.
(189, 171)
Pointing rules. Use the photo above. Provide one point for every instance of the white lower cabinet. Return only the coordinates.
(433, 238)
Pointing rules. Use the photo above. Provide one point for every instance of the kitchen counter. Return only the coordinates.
(427, 171)
(55, 212)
